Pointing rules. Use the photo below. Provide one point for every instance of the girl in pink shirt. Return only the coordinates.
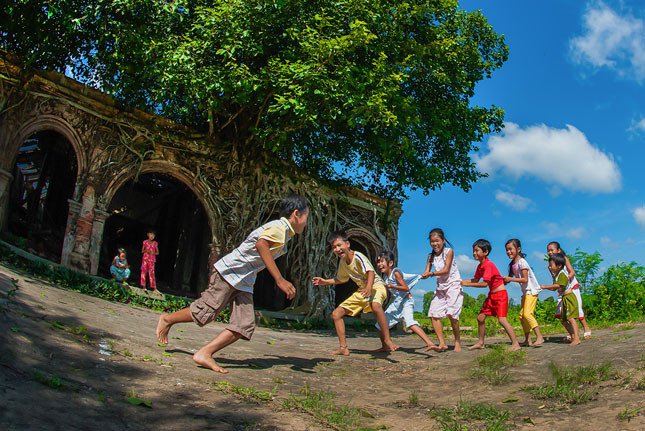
(149, 250)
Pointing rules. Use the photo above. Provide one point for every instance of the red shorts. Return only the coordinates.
(496, 304)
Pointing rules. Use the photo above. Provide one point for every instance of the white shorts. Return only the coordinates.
(447, 303)
(400, 309)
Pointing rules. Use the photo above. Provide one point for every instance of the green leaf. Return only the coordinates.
(135, 401)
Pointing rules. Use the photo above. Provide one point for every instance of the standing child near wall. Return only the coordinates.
(150, 251)
(561, 283)
(520, 272)
(552, 248)
(449, 297)
(402, 305)
(496, 304)
(231, 283)
(370, 296)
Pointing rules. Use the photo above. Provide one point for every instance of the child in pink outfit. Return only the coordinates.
(150, 250)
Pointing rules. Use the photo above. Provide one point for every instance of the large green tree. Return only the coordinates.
(372, 93)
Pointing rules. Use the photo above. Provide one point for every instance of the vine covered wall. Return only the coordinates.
(114, 145)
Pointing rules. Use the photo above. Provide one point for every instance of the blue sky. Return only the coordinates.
(569, 165)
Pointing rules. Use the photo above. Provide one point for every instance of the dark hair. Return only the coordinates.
(558, 258)
(387, 255)
(439, 232)
(291, 203)
(121, 250)
(518, 245)
(557, 244)
(152, 231)
(484, 244)
(337, 234)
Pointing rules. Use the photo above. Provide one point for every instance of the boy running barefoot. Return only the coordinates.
(231, 283)
(496, 304)
(370, 296)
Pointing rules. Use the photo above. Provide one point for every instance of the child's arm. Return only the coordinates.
(156, 249)
(570, 270)
(551, 286)
(367, 290)
(264, 249)
(400, 283)
(446, 268)
(523, 279)
(474, 282)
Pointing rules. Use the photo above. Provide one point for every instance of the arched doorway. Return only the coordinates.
(44, 173)
(159, 202)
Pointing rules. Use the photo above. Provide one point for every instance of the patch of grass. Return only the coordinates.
(624, 327)
(322, 406)
(629, 413)
(413, 399)
(52, 381)
(246, 392)
(493, 366)
(573, 385)
(127, 353)
(472, 416)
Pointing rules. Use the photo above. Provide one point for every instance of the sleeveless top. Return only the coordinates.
(444, 282)
(410, 280)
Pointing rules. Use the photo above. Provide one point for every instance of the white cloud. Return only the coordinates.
(576, 233)
(639, 215)
(516, 202)
(560, 157)
(466, 265)
(539, 256)
(637, 126)
(611, 40)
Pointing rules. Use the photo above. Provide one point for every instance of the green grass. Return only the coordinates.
(50, 380)
(467, 416)
(493, 366)
(246, 392)
(573, 385)
(629, 413)
(322, 406)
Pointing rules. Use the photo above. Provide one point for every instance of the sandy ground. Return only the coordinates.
(54, 374)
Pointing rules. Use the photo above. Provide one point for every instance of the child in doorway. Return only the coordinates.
(120, 269)
(561, 283)
(402, 305)
(370, 296)
(231, 282)
(149, 250)
(520, 272)
(449, 297)
(552, 248)
(496, 304)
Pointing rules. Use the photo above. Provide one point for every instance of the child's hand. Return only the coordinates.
(367, 292)
(507, 279)
(390, 286)
(425, 275)
(287, 287)
(319, 281)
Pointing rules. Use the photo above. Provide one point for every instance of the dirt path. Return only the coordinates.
(69, 361)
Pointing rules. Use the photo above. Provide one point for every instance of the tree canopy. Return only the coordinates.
(375, 94)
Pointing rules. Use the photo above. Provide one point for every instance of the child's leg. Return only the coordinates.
(585, 327)
(529, 316)
(167, 320)
(455, 329)
(204, 356)
(377, 309)
(337, 316)
(524, 321)
(151, 276)
(575, 337)
(438, 329)
(511, 334)
(142, 279)
(421, 333)
(481, 332)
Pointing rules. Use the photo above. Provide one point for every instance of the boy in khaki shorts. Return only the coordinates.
(231, 283)
(370, 296)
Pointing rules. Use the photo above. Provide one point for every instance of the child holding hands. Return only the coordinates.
(370, 296)
(496, 304)
(562, 284)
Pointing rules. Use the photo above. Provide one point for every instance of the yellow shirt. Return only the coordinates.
(357, 271)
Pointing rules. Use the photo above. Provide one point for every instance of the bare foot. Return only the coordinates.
(342, 350)
(392, 347)
(457, 347)
(207, 361)
(432, 348)
(515, 347)
(381, 349)
(476, 346)
(538, 342)
(574, 342)
(163, 326)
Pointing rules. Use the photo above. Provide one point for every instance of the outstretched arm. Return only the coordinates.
(474, 282)
(523, 279)
(400, 283)
(570, 270)
(264, 249)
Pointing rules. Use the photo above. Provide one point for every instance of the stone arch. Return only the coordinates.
(44, 123)
(170, 169)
